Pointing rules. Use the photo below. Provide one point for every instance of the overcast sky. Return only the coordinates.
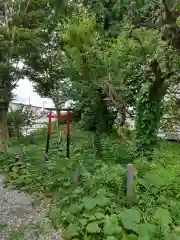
(25, 93)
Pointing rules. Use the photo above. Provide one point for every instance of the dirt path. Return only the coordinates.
(22, 217)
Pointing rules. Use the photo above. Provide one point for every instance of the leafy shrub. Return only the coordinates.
(114, 150)
(23, 116)
(160, 180)
(76, 113)
(112, 177)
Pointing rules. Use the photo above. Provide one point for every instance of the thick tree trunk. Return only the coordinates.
(148, 112)
(4, 135)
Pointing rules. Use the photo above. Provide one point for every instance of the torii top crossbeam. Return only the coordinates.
(59, 109)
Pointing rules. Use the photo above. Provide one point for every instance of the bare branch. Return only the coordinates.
(28, 2)
(147, 25)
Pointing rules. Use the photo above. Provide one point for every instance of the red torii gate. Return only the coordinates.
(67, 116)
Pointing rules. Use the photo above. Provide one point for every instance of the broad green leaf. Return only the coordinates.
(162, 216)
(89, 203)
(99, 215)
(74, 208)
(78, 190)
(72, 230)
(146, 231)
(111, 238)
(109, 228)
(66, 184)
(132, 237)
(87, 215)
(129, 237)
(130, 218)
(83, 222)
(118, 229)
(92, 218)
(101, 191)
(93, 228)
(65, 199)
(15, 169)
(70, 218)
(102, 201)
(114, 219)
(177, 229)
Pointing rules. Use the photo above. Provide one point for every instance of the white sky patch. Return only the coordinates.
(25, 93)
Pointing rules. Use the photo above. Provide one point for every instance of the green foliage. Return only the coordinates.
(95, 207)
(127, 67)
(144, 45)
(76, 52)
(96, 116)
(147, 125)
(23, 116)
(117, 151)
(109, 15)
(163, 217)
(82, 47)
(149, 103)
(112, 177)
(76, 113)
(16, 235)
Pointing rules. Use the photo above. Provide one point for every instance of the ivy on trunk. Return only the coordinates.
(148, 111)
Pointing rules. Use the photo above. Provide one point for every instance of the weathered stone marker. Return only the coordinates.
(130, 183)
(21, 154)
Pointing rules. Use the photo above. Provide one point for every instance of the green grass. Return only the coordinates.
(88, 193)
(3, 225)
(16, 234)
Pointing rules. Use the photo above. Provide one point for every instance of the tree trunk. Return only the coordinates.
(97, 144)
(148, 112)
(57, 106)
(18, 133)
(58, 120)
(4, 135)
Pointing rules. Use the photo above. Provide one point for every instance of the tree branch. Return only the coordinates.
(139, 41)
(169, 14)
(147, 25)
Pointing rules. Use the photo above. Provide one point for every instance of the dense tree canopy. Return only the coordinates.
(107, 56)
(119, 61)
